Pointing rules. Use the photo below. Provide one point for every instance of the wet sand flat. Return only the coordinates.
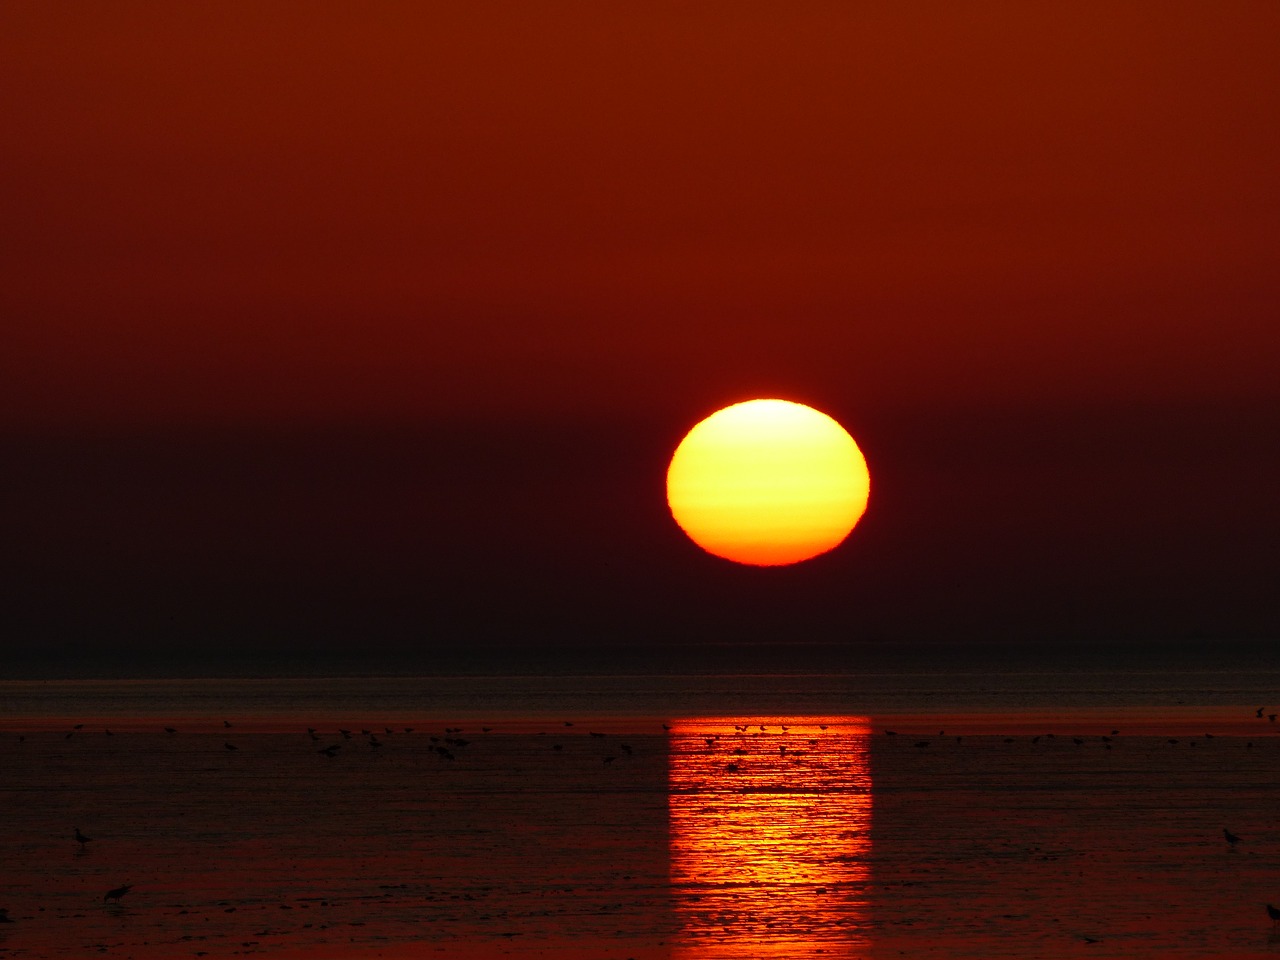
(957, 835)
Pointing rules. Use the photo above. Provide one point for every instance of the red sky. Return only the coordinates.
(961, 229)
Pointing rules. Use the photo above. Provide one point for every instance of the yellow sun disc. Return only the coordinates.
(767, 482)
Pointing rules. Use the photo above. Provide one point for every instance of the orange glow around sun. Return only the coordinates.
(767, 482)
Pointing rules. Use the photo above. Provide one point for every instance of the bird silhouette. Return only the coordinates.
(330, 751)
(229, 746)
(1230, 837)
(81, 838)
(117, 893)
(5, 918)
(1274, 914)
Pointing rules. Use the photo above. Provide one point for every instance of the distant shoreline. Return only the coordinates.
(436, 657)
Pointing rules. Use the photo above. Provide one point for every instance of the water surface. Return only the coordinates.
(689, 817)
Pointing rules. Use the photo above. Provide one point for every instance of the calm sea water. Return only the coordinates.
(1021, 814)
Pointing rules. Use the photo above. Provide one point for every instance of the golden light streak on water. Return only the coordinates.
(770, 823)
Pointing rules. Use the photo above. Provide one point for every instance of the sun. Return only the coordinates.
(767, 483)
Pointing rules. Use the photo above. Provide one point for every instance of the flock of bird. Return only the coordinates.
(444, 746)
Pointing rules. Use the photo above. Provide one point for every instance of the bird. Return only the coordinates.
(229, 746)
(81, 838)
(117, 893)
(1274, 914)
(1258, 713)
(1230, 837)
(226, 724)
(5, 918)
(170, 730)
(330, 751)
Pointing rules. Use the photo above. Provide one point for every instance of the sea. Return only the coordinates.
(1094, 803)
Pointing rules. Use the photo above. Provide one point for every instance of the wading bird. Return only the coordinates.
(1274, 914)
(117, 893)
(81, 838)
(1230, 837)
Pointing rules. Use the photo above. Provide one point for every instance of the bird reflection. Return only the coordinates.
(775, 842)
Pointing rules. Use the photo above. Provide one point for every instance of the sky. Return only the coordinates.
(373, 328)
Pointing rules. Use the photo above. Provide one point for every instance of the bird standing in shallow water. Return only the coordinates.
(117, 893)
(81, 838)
(1230, 837)
(1274, 914)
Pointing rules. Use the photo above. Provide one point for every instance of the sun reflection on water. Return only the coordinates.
(770, 824)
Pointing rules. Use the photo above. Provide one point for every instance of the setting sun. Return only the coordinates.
(767, 482)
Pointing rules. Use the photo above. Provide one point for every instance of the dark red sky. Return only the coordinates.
(321, 316)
